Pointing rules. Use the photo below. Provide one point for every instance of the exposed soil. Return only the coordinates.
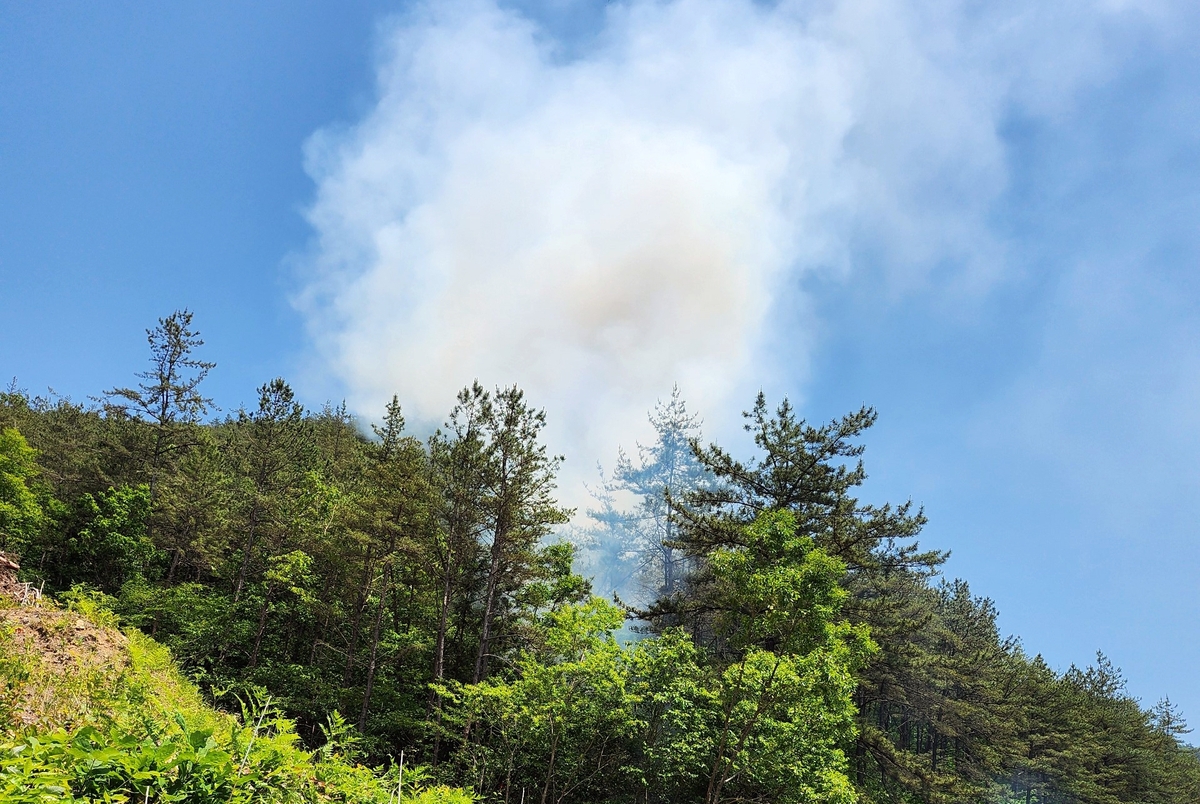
(9, 587)
(51, 645)
(63, 639)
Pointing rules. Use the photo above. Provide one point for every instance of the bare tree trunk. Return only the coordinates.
(439, 648)
(246, 548)
(489, 604)
(383, 593)
(550, 764)
(262, 627)
(176, 554)
(489, 612)
(363, 591)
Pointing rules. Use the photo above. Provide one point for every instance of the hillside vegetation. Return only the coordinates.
(355, 594)
(88, 713)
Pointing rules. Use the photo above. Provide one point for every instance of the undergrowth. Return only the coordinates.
(90, 715)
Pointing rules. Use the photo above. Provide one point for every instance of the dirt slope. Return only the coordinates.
(55, 663)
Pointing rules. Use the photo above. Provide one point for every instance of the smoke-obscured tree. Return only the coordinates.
(633, 548)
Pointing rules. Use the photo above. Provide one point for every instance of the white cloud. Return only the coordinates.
(599, 227)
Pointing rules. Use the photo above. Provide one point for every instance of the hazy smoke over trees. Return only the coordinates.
(629, 548)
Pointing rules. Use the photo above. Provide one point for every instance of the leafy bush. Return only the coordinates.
(244, 765)
(20, 514)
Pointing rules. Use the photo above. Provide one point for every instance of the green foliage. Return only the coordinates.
(21, 516)
(671, 711)
(440, 795)
(142, 733)
(108, 544)
(115, 765)
(14, 673)
(947, 710)
(170, 392)
(775, 589)
(556, 725)
(782, 721)
(578, 710)
(93, 606)
(789, 664)
(236, 765)
(341, 739)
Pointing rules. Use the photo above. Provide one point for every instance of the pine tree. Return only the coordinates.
(519, 505)
(168, 398)
(636, 548)
(272, 448)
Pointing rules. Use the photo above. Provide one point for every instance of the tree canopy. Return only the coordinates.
(795, 642)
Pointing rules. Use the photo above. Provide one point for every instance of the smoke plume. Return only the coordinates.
(597, 220)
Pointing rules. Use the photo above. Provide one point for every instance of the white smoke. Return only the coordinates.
(597, 227)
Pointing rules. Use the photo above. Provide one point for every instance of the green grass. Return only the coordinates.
(88, 714)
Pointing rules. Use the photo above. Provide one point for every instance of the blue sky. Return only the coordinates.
(981, 219)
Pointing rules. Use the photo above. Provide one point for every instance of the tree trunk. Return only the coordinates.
(262, 627)
(363, 591)
(249, 545)
(439, 648)
(668, 552)
(550, 767)
(434, 706)
(176, 554)
(489, 606)
(154, 462)
(383, 593)
(312, 656)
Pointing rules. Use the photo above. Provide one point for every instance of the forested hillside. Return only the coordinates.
(796, 643)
